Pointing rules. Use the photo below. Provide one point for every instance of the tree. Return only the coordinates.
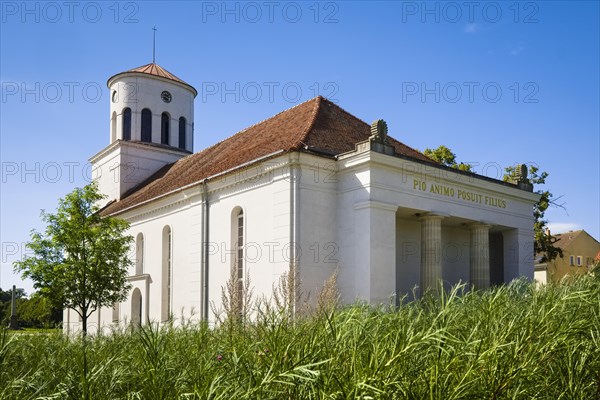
(80, 261)
(37, 311)
(544, 242)
(446, 157)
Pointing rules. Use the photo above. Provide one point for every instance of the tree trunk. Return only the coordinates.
(86, 393)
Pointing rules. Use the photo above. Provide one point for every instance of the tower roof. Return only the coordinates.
(156, 70)
(316, 126)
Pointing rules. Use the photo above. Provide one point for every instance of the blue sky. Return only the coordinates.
(497, 82)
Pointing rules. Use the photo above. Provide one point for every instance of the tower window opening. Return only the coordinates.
(146, 125)
(127, 124)
(164, 128)
(182, 123)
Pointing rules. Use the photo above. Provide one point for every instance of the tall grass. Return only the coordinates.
(514, 341)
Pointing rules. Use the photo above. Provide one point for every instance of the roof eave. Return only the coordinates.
(145, 75)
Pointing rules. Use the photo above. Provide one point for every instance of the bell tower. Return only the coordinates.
(151, 125)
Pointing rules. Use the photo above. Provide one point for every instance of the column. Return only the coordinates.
(480, 256)
(431, 252)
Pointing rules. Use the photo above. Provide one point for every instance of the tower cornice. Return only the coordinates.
(154, 71)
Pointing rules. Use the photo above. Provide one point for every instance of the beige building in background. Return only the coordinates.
(579, 252)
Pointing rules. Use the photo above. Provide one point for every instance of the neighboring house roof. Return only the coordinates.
(564, 240)
(155, 70)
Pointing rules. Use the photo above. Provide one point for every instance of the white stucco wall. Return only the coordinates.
(318, 243)
(123, 165)
(138, 91)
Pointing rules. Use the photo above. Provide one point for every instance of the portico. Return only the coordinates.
(426, 225)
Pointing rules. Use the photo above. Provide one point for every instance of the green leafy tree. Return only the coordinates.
(446, 157)
(37, 311)
(80, 261)
(544, 242)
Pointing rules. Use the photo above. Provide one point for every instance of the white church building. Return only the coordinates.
(312, 187)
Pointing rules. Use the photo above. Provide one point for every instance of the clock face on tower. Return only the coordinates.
(165, 96)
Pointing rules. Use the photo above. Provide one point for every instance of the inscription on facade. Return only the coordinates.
(463, 195)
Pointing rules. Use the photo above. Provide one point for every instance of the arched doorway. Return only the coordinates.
(136, 307)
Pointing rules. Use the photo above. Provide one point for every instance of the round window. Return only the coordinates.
(165, 96)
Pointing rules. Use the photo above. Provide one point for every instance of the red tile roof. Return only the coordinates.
(317, 126)
(156, 70)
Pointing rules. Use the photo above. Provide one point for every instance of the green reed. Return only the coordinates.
(516, 341)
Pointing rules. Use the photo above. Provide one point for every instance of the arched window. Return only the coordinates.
(146, 125)
(127, 124)
(237, 234)
(113, 127)
(182, 124)
(167, 249)
(139, 254)
(165, 122)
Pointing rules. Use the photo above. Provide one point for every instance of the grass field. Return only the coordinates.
(515, 341)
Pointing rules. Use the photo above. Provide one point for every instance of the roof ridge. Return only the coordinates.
(313, 120)
(567, 232)
(358, 119)
(321, 99)
(345, 112)
(257, 123)
(416, 150)
(157, 67)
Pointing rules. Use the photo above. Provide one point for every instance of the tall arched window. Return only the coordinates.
(165, 122)
(139, 254)
(182, 123)
(238, 262)
(146, 125)
(113, 127)
(167, 250)
(127, 124)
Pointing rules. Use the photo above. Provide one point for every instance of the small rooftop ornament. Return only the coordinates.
(379, 131)
(520, 173)
(520, 178)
